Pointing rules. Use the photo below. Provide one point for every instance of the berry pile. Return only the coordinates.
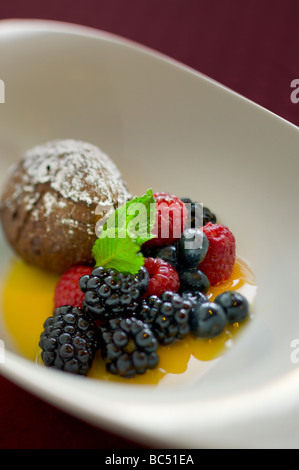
(127, 316)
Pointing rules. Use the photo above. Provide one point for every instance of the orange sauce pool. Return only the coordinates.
(27, 300)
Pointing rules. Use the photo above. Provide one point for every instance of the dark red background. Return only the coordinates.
(251, 46)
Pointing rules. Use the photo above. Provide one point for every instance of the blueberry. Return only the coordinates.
(197, 297)
(192, 247)
(234, 304)
(207, 320)
(168, 253)
(194, 280)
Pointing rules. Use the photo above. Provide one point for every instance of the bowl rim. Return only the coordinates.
(282, 391)
(21, 26)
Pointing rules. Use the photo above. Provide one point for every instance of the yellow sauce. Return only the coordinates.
(27, 300)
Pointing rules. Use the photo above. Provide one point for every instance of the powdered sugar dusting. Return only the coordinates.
(75, 170)
(50, 202)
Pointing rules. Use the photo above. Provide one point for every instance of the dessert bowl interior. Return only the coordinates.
(171, 129)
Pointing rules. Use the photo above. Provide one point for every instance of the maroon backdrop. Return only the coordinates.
(251, 46)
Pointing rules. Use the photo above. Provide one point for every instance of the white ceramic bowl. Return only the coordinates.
(170, 128)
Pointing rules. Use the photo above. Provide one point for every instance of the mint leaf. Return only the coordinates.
(121, 254)
(118, 246)
(135, 218)
(141, 214)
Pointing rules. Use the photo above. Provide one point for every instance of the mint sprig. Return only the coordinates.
(135, 217)
(121, 254)
(119, 244)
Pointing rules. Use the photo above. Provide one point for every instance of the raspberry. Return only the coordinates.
(163, 277)
(171, 217)
(67, 290)
(219, 261)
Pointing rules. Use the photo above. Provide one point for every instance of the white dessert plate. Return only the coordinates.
(170, 128)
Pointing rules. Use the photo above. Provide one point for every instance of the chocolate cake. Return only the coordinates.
(54, 197)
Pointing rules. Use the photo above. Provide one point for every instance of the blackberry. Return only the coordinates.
(69, 340)
(128, 347)
(208, 216)
(167, 316)
(196, 211)
(110, 294)
(186, 200)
